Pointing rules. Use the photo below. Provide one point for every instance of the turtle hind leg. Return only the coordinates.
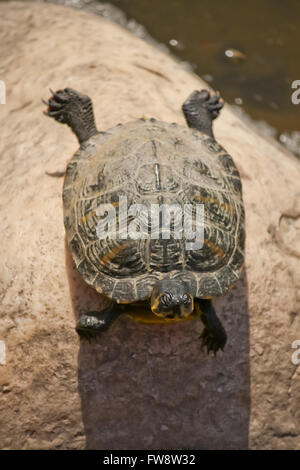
(91, 324)
(201, 108)
(214, 336)
(75, 109)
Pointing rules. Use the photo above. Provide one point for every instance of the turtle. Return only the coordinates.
(126, 172)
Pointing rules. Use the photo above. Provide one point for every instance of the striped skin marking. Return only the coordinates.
(113, 253)
(155, 304)
(215, 248)
(140, 312)
(204, 199)
(146, 317)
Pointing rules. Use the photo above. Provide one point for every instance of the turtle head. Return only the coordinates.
(171, 298)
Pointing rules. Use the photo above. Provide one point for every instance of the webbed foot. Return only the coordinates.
(214, 336)
(70, 107)
(200, 108)
(90, 325)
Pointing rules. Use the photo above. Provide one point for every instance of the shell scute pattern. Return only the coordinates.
(152, 162)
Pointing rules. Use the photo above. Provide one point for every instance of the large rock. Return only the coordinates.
(139, 386)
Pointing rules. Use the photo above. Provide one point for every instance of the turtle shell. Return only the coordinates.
(153, 163)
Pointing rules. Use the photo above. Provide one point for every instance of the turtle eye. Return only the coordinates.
(166, 299)
(186, 299)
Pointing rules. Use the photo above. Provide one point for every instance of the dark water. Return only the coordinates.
(265, 33)
(249, 50)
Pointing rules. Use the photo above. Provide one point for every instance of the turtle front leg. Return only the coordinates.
(70, 107)
(91, 324)
(200, 108)
(214, 336)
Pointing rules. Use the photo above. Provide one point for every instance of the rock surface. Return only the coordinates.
(140, 386)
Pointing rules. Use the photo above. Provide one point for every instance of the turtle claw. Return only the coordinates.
(201, 108)
(209, 100)
(54, 110)
(86, 335)
(213, 337)
(54, 104)
(60, 95)
(70, 107)
(211, 342)
(57, 104)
